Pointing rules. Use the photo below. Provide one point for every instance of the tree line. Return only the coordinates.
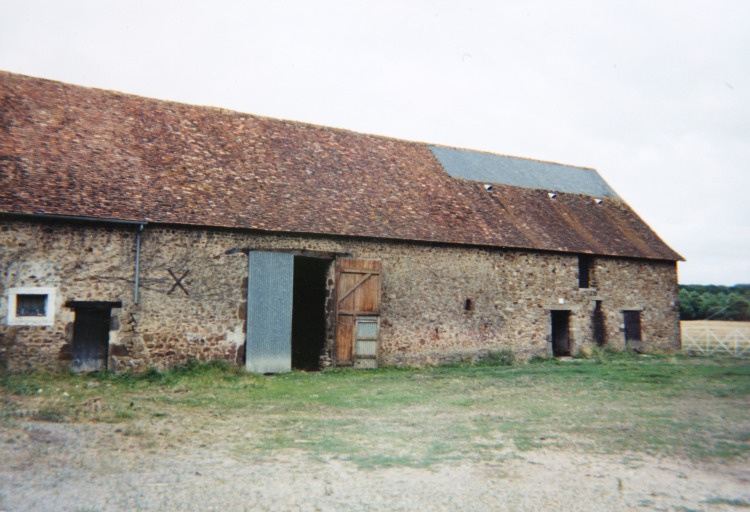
(713, 302)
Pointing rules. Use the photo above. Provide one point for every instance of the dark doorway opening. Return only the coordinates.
(91, 335)
(633, 338)
(584, 271)
(560, 333)
(600, 333)
(309, 312)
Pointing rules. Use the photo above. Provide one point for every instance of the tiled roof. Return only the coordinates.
(70, 150)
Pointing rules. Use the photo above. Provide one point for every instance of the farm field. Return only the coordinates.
(716, 337)
(615, 432)
(719, 325)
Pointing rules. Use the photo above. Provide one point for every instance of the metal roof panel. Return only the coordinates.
(521, 172)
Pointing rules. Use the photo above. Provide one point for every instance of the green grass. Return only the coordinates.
(609, 403)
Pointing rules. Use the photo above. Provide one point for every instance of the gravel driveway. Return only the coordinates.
(101, 467)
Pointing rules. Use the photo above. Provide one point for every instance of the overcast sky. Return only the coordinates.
(653, 94)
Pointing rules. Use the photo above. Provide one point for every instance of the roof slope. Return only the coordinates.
(70, 150)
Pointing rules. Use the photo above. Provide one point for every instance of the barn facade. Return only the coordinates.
(137, 233)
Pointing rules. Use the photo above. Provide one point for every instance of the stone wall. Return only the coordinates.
(78, 262)
(425, 315)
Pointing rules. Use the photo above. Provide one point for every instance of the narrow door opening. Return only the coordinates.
(632, 327)
(560, 333)
(91, 338)
(600, 336)
(584, 271)
(309, 312)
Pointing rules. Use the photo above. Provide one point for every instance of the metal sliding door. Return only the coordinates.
(269, 312)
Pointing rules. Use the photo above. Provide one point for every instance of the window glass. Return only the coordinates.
(367, 329)
(31, 305)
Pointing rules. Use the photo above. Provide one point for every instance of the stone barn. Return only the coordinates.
(140, 233)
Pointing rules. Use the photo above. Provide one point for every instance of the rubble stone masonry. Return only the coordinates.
(439, 302)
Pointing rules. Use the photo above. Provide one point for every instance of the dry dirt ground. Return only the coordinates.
(101, 467)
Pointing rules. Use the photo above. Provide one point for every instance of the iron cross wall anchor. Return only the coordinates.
(177, 282)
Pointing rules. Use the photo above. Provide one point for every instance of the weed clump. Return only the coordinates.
(50, 413)
(537, 359)
(503, 357)
(194, 367)
(152, 375)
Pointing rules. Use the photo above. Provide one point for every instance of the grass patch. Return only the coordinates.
(50, 413)
(608, 403)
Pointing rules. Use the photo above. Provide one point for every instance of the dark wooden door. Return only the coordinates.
(632, 320)
(560, 333)
(358, 284)
(91, 339)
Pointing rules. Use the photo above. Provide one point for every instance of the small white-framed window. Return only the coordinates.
(366, 337)
(31, 306)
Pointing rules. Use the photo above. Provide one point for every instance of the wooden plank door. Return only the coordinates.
(358, 284)
(268, 344)
(91, 340)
